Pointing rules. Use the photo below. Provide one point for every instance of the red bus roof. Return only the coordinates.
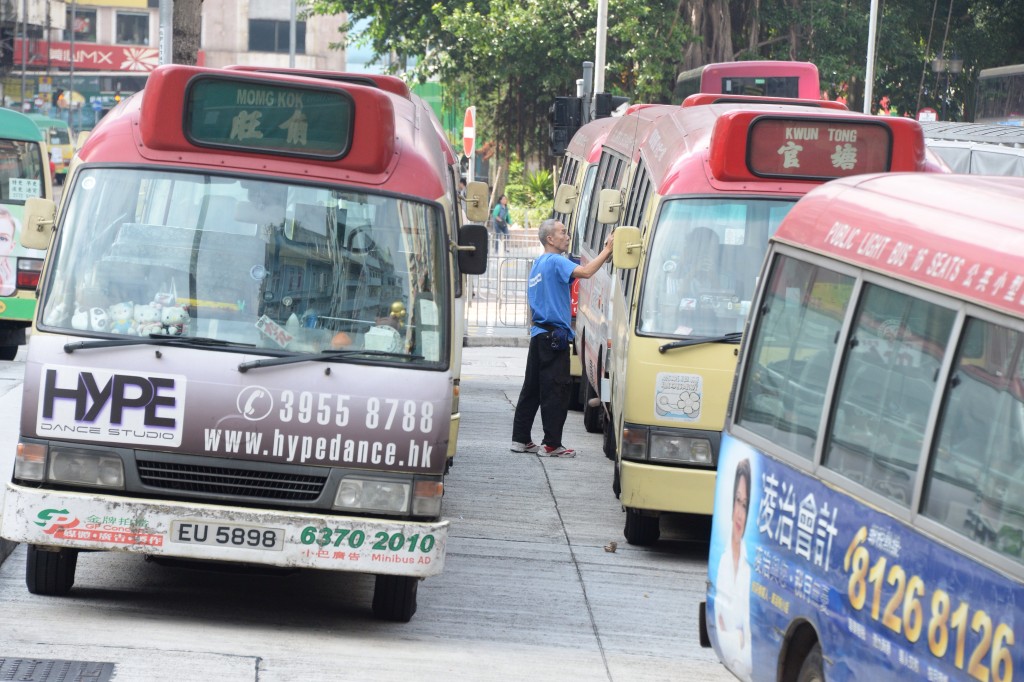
(712, 74)
(702, 98)
(959, 234)
(744, 147)
(586, 143)
(392, 84)
(392, 142)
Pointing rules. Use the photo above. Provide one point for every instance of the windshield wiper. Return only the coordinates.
(151, 340)
(731, 337)
(325, 355)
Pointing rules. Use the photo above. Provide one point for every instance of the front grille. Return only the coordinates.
(231, 481)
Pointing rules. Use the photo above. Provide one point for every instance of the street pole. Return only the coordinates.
(166, 31)
(291, 37)
(71, 71)
(24, 48)
(602, 39)
(869, 76)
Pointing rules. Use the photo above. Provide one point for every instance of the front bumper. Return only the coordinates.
(168, 528)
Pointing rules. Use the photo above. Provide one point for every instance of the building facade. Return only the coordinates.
(115, 44)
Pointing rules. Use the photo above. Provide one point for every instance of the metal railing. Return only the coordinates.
(496, 303)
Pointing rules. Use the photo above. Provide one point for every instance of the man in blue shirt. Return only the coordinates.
(546, 385)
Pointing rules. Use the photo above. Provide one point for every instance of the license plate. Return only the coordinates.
(227, 535)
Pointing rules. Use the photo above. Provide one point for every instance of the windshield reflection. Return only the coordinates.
(274, 266)
(703, 265)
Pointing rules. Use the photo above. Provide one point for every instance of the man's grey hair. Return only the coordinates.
(545, 229)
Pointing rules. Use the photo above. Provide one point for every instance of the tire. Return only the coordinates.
(8, 352)
(641, 530)
(50, 573)
(576, 394)
(813, 667)
(616, 482)
(608, 439)
(702, 625)
(593, 417)
(394, 597)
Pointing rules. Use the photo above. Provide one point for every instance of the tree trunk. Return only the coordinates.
(187, 31)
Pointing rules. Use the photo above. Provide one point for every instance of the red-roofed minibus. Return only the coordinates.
(576, 187)
(708, 188)
(759, 78)
(609, 172)
(869, 510)
(247, 344)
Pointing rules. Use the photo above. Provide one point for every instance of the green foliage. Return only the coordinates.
(510, 58)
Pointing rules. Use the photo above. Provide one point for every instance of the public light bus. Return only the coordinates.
(1000, 97)
(620, 136)
(707, 186)
(24, 174)
(756, 78)
(579, 168)
(245, 349)
(60, 142)
(869, 510)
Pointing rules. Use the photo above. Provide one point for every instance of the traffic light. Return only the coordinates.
(605, 104)
(565, 117)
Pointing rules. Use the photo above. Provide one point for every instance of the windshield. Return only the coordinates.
(276, 266)
(21, 171)
(703, 264)
(59, 136)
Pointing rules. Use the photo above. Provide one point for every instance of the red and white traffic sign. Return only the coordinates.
(469, 131)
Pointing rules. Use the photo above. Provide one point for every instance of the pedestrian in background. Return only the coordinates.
(547, 381)
(500, 216)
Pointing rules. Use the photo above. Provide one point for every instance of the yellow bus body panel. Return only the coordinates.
(667, 489)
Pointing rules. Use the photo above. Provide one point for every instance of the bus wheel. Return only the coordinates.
(50, 573)
(592, 414)
(812, 669)
(394, 597)
(608, 442)
(576, 394)
(8, 352)
(641, 529)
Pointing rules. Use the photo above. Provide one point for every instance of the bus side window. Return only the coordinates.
(886, 389)
(792, 354)
(976, 482)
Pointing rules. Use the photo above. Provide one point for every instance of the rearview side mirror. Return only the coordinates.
(565, 199)
(476, 202)
(626, 248)
(37, 223)
(609, 206)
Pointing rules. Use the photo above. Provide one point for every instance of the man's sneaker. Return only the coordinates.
(524, 447)
(559, 451)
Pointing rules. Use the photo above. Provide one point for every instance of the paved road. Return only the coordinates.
(529, 591)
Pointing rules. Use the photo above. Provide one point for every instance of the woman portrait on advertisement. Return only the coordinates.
(8, 229)
(732, 604)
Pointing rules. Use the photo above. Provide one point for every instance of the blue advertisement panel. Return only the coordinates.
(885, 600)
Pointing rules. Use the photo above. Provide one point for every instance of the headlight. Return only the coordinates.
(681, 449)
(84, 467)
(378, 495)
